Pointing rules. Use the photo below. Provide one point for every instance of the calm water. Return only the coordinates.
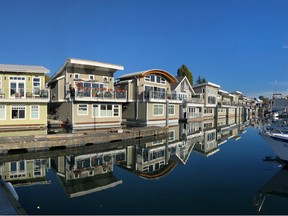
(206, 174)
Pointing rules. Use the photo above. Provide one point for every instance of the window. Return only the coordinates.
(95, 111)
(2, 112)
(17, 166)
(13, 166)
(82, 109)
(105, 110)
(34, 112)
(171, 137)
(211, 100)
(18, 112)
(76, 76)
(116, 110)
(37, 167)
(155, 79)
(36, 85)
(171, 109)
(158, 109)
(17, 86)
(91, 77)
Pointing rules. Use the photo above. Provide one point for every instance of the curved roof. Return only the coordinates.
(165, 170)
(141, 74)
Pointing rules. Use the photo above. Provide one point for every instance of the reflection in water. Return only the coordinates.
(81, 174)
(276, 186)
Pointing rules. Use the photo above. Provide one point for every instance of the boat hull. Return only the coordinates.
(278, 145)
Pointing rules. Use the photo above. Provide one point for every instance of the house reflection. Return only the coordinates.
(25, 172)
(81, 174)
(84, 174)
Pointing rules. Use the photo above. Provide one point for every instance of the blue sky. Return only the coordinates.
(238, 44)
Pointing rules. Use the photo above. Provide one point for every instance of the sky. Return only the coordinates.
(241, 45)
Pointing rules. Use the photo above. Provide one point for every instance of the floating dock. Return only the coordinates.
(54, 141)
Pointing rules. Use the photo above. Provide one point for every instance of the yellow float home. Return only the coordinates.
(23, 97)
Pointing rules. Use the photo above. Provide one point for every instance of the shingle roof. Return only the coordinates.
(174, 85)
(23, 68)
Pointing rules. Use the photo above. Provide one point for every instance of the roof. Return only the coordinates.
(207, 83)
(180, 80)
(71, 61)
(164, 73)
(23, 68)
(236, 93)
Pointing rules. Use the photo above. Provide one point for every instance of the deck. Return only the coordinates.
(46, 142)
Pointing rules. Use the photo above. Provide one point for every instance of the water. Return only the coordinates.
(198, 176)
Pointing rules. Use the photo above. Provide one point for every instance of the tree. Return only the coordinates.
(200, 80)
(184, 71)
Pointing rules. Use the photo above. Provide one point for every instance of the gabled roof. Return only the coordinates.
(144, 73)
(23, 68)
(74, 61)
(180, 80)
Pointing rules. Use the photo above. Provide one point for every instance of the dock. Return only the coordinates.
(34, 143)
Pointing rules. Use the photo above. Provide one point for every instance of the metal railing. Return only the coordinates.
(161, 95)
(89, 93)
(22, 93)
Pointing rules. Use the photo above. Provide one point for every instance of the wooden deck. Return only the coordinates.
(77, 139)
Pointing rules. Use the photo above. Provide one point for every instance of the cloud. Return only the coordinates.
(285, 46)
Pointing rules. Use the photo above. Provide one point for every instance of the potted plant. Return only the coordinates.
(94, 92)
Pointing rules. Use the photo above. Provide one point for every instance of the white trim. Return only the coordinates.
(17, 82)
(18, 119)
(38, 112)
(95, 63)
(157, 108)
(84, 114)
(61, 77)
(173, 138)
(173, 109)
(4, 111)
(98, 115)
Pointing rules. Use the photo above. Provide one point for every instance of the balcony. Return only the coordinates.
(88, 94)
(161, 96)
(24, 95)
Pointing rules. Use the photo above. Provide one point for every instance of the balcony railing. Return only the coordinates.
(21, 93)
(92, 94)
(161, 95)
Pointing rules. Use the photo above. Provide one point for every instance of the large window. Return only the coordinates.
(155, 78)
(17, 86)
(18, 112)
(158, 109)
(211, 100)
(34, 112)
(2, 112)
(105, 110)
(82, 109)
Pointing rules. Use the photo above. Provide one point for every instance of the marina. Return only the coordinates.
(205, 172)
